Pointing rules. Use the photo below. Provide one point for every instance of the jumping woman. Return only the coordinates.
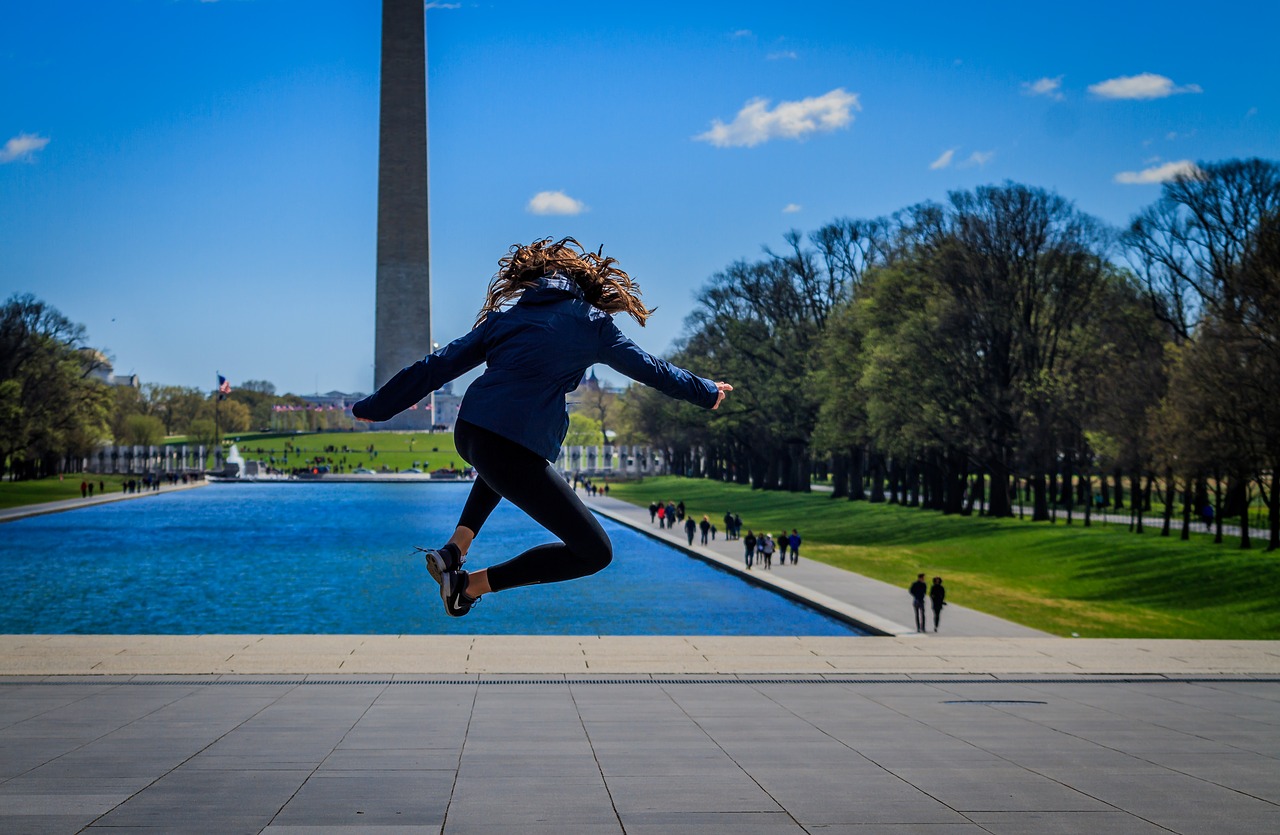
(547, 318)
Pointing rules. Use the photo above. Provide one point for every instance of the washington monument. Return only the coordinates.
(403, 324)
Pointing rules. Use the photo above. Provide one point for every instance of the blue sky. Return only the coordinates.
(196, 181)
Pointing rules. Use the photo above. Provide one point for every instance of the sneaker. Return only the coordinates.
(441, 560)
(453, 587)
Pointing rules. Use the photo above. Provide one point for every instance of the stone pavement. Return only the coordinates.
(880, 608)
(594, 755)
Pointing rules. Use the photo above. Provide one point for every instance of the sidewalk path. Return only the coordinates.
(596, 757)
(880, 608)
(9, 514)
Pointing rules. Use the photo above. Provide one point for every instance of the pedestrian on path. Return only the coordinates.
(918, 591)
(690, 527)
(671, 515)
(768, 551)
(705, 527)
(795, 546)
(783, 543)
(749, 545)
(84, 489)
(938, 597)
(547, 317)
(653, 511)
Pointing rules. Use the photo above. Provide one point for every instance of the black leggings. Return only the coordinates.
(507, 470)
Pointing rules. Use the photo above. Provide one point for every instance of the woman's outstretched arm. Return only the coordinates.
(416, 381)
(620, 353)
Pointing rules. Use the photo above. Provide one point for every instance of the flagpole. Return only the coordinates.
(217, 396)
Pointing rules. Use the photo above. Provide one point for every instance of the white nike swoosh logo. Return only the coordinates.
(454, 605)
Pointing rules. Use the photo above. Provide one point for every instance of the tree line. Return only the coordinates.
(55, 411)
(1000, 348)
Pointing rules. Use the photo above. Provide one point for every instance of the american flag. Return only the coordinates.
(223, 386)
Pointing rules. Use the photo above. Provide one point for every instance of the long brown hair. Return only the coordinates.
(602, 283)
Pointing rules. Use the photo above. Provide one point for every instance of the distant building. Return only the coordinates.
(336, 400)
(446, 404)
(102, 370)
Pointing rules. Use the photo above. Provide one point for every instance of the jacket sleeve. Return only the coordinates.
(621, 354)
(416, 381)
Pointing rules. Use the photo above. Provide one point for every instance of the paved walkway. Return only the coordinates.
(9, 514)
(728, 757)
(881, 608)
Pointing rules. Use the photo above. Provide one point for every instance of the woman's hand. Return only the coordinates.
(722, 388)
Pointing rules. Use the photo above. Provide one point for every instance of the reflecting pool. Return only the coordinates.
(339, 559)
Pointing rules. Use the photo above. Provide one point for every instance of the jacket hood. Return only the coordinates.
(551, 288)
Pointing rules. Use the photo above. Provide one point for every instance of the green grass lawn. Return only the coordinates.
(395, 450)
(17, 493)
(1096, 582)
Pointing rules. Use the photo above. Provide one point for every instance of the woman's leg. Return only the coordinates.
(531, 484)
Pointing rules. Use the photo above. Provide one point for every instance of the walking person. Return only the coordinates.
(690, 527)
(768, 551)
(671, 515)
(653, 511)
(795, 546)
(705, 527)
(662, 515)
(783, 542)
(749, 547)
(938, 597)
(728, 526)
(918, 591)
(547, 317)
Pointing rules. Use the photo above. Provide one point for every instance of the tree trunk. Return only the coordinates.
(1168, 502)
(1053, 495)
(1273, 510)
(1135, 500)
(1119, 491)
(999, 506)
(895, 480)
(1217, 515)
(857, 474)
(839, 476)
(1188, 497)
(877, 478)
(1040, 503)
(1068, 493)
(982, 493)
(1246, 541)
(1086, 482)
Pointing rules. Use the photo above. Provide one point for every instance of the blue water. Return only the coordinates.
(338, 559)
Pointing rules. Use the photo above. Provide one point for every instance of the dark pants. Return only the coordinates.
(937, 616)
(922, 624)
(506, 470)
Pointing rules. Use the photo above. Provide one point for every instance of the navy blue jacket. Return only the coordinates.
(537, 352)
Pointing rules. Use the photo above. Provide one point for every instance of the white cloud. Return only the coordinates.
(1158, 173)
(443, 6)
(978, 158)
(554, 203)
(742, 33)
(1051, 87)
(756, 123)
(791, 208)
(1253, 111)
(943, 161)
(1142, 86)
(22, 146)
(786, 53)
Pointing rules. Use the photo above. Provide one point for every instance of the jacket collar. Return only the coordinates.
(551, 288)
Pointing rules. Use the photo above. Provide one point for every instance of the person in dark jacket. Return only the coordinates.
(749, 543)
(918, 591)
(690, 527)
(547, 317)
(938, 597)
